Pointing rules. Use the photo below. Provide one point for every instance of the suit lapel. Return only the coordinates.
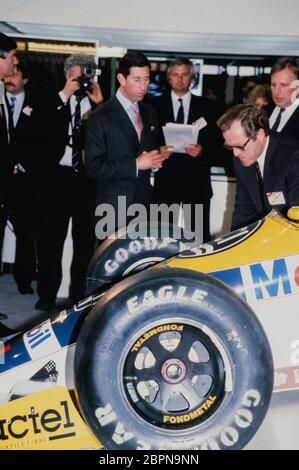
(291, 124)
(193, 110)
(169, 108)
(250, 181)
(146, 125)
(22, 116)
(3, 126)
(11, 128)
(269, 170)
(124, 123)
(253, 186)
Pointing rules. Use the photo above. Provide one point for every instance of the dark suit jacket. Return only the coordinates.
(112, 147)
(6, 161)
(281, 174)
(291, 128)
(26, 148)
(55, 117)
(27, 138)
(181, 173)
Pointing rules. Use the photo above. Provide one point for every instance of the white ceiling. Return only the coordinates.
(213, 43)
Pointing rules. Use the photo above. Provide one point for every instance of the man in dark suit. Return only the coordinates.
(266, 165)
(121, 142)
(185, 177)
(284, 118)
(67, 192)
(8, 61)
(25, 148)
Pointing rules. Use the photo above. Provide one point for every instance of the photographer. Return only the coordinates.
(67, 191)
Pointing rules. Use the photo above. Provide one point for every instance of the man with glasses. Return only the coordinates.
(266, 166)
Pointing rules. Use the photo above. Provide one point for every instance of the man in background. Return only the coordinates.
(185, 177)
(284, 118)
(26, 150)
(8, 61)
(68, 193)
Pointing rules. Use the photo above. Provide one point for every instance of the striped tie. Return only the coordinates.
(12, 104)
(76, 154)
(138, 121)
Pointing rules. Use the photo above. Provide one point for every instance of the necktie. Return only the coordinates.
(76, 154)
(277, 121)
(260, 182)
(180, 115)
(138, 121)
(12, 103)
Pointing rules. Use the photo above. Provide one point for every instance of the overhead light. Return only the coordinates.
(61, 48)
(57, 48)
(104, 51)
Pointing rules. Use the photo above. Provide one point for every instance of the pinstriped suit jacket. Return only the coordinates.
(112, 147)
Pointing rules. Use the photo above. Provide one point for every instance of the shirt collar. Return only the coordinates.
(186, 98)
(18, 97)
(125, 102)
(261, 158)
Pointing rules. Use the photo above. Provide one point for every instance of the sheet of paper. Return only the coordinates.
(181, 135)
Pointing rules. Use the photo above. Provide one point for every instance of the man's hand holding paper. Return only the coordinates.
(193, 150)
(183, 137)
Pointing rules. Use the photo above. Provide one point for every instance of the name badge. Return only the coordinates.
(276, 198)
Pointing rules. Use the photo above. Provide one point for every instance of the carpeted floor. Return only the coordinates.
(19, 309)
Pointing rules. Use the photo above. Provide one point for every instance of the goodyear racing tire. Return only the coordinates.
(175, 360)
(122, 256)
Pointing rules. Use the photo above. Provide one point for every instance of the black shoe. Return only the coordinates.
(25, 290)
(45, 305)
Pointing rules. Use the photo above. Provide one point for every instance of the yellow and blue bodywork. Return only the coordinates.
(38, 407)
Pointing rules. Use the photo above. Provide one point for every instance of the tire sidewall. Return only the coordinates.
(113, 328)
(124, 255)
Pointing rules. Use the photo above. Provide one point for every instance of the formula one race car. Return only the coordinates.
(177, 356)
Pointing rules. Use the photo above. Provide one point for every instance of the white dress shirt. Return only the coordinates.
(186, 99)
(85, 107)
(289, 110)
(19, 101)
(261, 158)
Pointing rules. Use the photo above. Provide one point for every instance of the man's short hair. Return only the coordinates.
(179, 60)
(251, 118)
(80, 60)
(286, 63)
(23, 67)
(7, 44)
(132, 59)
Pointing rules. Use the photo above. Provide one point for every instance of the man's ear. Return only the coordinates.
(261, 134)
(121, 78)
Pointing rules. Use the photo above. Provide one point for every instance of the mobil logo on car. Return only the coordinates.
(264, 280)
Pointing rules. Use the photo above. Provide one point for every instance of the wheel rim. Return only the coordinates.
(174, 375)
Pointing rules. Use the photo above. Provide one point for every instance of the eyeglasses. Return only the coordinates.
(237, 147)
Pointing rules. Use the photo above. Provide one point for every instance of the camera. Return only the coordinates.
(85, 85)
(85, 82)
